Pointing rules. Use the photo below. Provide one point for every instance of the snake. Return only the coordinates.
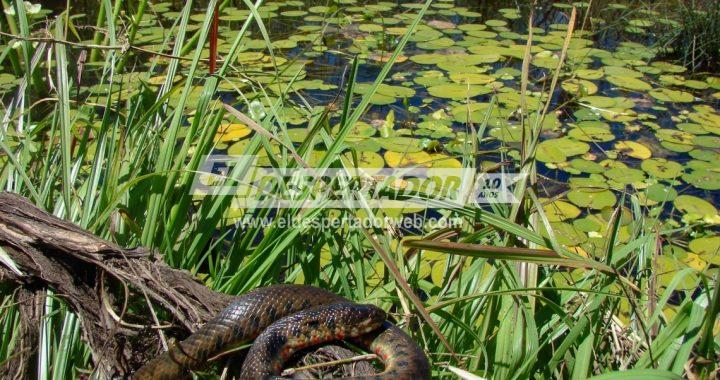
(283, 319)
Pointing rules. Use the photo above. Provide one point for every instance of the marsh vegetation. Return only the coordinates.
(607, 261)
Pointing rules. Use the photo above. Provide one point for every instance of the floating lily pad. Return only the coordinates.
(401, 144)
(712, 142)
(407, 159)
(232, 132)
(457, 91)
(661, 193)
(633, 149)
(708, 248)
(559, 211)
(695, 207)
(471, 78)
(604, 102)
(440, 43)
(592, 131)
(620, 71)
(566, 234)
(662, 168)
(669, 67)
(370, 162)
(579, 87)
(673, 96)
(706, 179)
(625, 176)
(385, 94)
(507, 133)
(589, 74)
(592, 198)
(558, 150)
(360, 130)
(586, 166)
(629, 83)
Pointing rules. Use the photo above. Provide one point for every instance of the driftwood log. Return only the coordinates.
(97, 280)
(86, 272)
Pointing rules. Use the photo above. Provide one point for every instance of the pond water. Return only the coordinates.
(623, 119)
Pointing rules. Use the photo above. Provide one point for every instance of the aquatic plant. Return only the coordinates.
(609, 263)
(693, 39)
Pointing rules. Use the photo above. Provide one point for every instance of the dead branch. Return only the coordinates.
(54, 254)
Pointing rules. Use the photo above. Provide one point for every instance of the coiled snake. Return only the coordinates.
(283, 319)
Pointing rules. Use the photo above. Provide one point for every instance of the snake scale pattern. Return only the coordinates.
(282, 319)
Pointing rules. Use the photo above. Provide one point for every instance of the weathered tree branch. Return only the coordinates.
(97, 279)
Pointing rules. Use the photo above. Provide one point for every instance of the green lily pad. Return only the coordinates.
(360, 130)
(695, 207)
(695, 129)
(407, 159)
(579, 87)
(429, 59)
(675, 137)
(708, 248)
(712, 142)
(586, 166)
(370, 161)
(558, 150)
(592, 131)
(559, 211)
(633, 149)
(625, 176)
(457, 91)
(673, 96)
(662, 168)
(661, 193)
(440, 43)
(629, 83)
(604, 102)
(385, 94)
(669, 67)
(471, 78)
(706, 179)
(401, 144)
(566, 234)
(620, 71)
(596, 199)
(589, 74)
(507, 133)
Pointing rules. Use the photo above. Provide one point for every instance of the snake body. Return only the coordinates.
(284, 319)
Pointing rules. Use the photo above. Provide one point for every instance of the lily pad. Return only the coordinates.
(579, 87)
(706, 179)
(661, 193)
(592, 131)
(231, 132)
(409, 159)
(629, 83)
(457, 91)
(586, 166)
(695, 207)
(592, 198)
(673, 96)
(708, 248)
(370, 162)
(625, 176)
(559, 211)
(633, 149)
(566, 234)
(662, 168)
(558, 150)
(401, 144)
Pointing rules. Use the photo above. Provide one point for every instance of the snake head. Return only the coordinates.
(361, 317)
